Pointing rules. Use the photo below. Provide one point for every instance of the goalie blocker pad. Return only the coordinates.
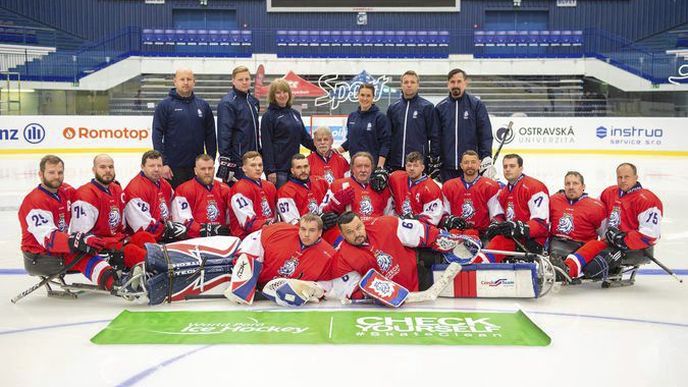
(501, 280)
(386, 291)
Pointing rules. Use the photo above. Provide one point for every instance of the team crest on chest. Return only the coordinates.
(384, 260)
(510, 215)
(406, 207)
(467, 209)
(212, 212)
(62, 223)
(565, 225)
(329, 176)
(289, 267)
(164, 211)
(366, 206)
(313, 207)
(114, 218)
(615, 217)
(265, 208)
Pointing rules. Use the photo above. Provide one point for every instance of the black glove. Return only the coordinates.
(434, 167)
(81, 242)
(409, 215)
(451, 222)
(379, 179)
(208, 230)
(509, 229)
(227, 169)
(493, 230)
(615, 238)
(519, 229)
(329, 220)
(174, 231)
(116, 259)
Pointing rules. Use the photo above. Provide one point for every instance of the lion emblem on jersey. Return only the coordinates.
(329, 176)
(164, 211)
(384, 260)
(211, 211)
(288, 268)
(565, 225)
(366, 206)
(313, 207)
(615, 217)
(114, 218)
(62, 223)
(265, 208)
(467, 209)
(406, 207)
(383, 288)
(510, 215)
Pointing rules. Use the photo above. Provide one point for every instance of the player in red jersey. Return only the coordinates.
(525, 201)
(201, 203)
(252, 199)
(281, 251)
(634, 217)
(576, 219)
(98, 208)
(471, 201)
(302, 194)
(44, 216)
(325, 161)
(386, 244)
(147, 200)
(415, 194)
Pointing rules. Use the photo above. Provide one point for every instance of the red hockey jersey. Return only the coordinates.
(637, 212)
(579, 220)
(296, 198)
(44, 218)
(284, 256)
(367, 202)
(527, 201)
(421, 198)
(98, 210)
(329, 168)
(476, 202)
(389, 249)
(253, 205)
(195, 203)
(147, 205)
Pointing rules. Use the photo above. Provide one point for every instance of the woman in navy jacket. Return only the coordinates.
(368, 129)
(282, 133)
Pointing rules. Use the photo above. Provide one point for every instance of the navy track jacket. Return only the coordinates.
(414, 124)
(282, 133)
(237, 125)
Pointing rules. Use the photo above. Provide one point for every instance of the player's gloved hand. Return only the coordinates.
(487, 169)
(446, 242)
(227, 169)
(434, 167)
(208, 229)
(85, 243)
(615, 237)
(379, 179)
(494, 229)
(174, 231)
(340, 200)
(329, 219)
(452, 222)
(519, 229)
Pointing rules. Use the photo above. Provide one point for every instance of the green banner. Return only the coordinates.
(323, 327)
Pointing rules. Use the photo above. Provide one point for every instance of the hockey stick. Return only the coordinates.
(501, 144)
(434, 291)
(45, 280)
(660, 264)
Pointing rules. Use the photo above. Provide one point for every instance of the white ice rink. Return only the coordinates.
(633, 336)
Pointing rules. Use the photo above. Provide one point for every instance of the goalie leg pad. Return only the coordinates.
(502, 280)
(388, 292)
(292, 292)
(242, 287)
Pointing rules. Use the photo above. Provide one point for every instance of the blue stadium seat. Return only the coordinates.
(544, 38)
(159, 37)
(522, 39)
(422, 38)
(533, 38)
(489, 38)
(368, 38)
(213, 37)
(411, 38)
(325, 38)
(202, 37)
(347, 38)
(146, 36)
(303, 38)
(479, 38)
(433, 38)
(246, 38)
(225, 38)
(390, 38)
(281, 38)
(400, 38)
(313, 38)
(500, 38)
(511, 38)
(554, 38)
(235, 37)
(336, 38)
(292, 38)
(378, 38)
(444, 38)
(357, 38)
(191, 37)
(566, 37)
(170, 37)
(577, 38)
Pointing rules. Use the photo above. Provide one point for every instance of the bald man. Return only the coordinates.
(98, 208)
(183, 128)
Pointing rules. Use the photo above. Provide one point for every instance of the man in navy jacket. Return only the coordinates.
(183, 128)
(464, 125)
(238, 129)
(414, 126)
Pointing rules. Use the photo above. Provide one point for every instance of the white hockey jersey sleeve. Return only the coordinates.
(41, 224)
(137, 214)
(84, 217)
(243, 209)
(286, 207)
(181, 210)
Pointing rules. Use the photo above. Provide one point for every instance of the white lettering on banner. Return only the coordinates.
(95, 134)
(426, 326)
(342, 91)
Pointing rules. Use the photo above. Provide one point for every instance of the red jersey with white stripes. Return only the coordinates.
(580, 220)
(253, 206)
(476, 202)
(297, 198)
(330, 168)
(527, 201)
(98, 210)
(44, 218)
(637, 212)
(195, 204)
(147, 205)
(367, 202)
(421, 198)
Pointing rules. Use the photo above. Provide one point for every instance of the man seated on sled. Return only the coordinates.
(44, 216)
(634, 217)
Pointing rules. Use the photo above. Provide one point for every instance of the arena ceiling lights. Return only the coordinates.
(363, 5)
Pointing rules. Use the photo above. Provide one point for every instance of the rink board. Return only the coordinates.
(324, 327)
